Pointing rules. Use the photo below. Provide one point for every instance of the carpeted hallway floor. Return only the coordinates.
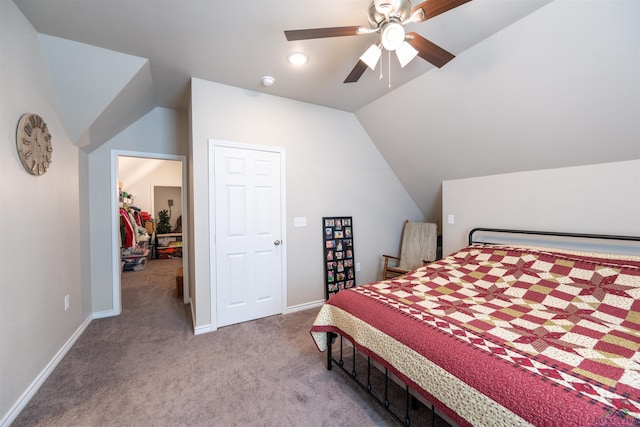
(147, 368)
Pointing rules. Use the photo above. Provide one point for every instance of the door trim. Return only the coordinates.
(115, 222)
(213, 143)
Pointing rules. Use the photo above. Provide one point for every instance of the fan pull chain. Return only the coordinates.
(386, 14)
(381, 63)
(389, 63)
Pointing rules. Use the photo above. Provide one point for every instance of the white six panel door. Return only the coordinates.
(247, 234)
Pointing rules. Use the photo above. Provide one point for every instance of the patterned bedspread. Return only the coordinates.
(499, 335)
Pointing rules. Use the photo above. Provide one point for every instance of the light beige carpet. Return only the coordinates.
(147, 368)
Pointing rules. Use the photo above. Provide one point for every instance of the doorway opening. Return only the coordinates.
(141, 184)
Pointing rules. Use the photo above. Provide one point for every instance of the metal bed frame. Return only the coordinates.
(410, 400)
(608, 237)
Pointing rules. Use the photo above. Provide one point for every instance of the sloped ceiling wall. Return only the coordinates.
(101, 91)
(560, 87)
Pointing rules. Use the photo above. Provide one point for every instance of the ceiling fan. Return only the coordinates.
(388, 17)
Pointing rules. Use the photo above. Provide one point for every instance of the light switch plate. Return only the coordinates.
(300, 221)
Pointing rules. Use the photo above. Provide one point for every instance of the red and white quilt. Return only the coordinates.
(500, 335)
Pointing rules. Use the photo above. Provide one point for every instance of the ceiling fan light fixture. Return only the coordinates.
(385, 6)
(392, 35)
(298, 58)
(417, 16)
(405, 53)
(392, 8)
(371, 56)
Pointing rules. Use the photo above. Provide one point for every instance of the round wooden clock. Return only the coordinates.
(34, 144)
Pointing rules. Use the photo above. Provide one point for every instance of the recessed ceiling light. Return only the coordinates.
(267, 81)
(298, 58)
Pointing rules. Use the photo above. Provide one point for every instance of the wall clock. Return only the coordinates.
(34, 144)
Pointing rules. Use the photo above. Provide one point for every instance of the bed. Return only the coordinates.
(503, 334)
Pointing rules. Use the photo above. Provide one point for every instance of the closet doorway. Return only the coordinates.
(153, 183)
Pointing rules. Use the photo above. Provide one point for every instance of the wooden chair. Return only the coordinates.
(419, 241)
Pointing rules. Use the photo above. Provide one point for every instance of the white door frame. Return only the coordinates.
(115, 222)
(212, 209)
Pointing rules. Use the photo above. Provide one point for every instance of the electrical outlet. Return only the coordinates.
(66, 302)
(451, 219)
(357, 266)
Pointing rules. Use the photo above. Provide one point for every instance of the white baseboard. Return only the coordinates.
(203, 329)
(103, 314)
(28, 394)
(210, 328)
(305, 306)
(200, 329)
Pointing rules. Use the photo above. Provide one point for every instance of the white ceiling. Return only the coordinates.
(236, 42)
(134, 170)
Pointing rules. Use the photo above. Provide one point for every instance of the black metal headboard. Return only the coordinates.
(619, 244)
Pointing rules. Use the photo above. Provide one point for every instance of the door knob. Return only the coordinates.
(277, 242)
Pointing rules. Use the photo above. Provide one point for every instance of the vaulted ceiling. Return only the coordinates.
(236, 42)
(529, 84)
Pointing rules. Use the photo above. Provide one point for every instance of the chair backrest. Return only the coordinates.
(419, 241)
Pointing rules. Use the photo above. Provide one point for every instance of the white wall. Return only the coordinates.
(162, 131)
(332, 168)
(600, 199)
(40, 254)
